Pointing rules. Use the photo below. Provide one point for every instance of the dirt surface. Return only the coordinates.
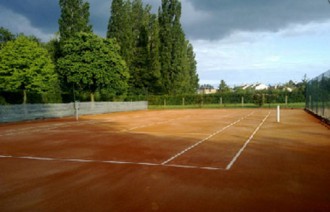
(168, 160)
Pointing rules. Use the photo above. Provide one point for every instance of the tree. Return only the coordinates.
(223, 87)
(92, 63)
(159, 58)
(191, 66)
(153, 69)
(120, 28)
(145, 67)
(74, 18)
(53, 47)
(173, 49)
(26, 66)
(5, 36)
(137, 32)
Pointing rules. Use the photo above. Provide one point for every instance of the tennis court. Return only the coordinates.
(167, 160)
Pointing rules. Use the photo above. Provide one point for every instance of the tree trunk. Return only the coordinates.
(92, 97)
(24, 96)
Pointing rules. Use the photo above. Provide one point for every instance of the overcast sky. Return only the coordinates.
(239, 41)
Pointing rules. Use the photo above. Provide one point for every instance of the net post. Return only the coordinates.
(278, 114)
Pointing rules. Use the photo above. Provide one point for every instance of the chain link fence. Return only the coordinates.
(318, 96)
(12, 113)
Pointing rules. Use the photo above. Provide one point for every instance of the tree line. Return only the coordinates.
(142, 54)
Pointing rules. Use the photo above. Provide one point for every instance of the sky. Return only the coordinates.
(238, 41)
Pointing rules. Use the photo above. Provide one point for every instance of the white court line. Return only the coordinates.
(205, 139)
(164, 164)
(36, 129)
(162, 122)
(195, 167)
(76, 160)
(245, 144)
(110, 162)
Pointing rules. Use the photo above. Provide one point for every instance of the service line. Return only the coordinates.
(246, 143)
(205, 139)
(162, 122)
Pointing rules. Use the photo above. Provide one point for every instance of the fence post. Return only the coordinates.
(76, 109)
(242, 101)
(286, 100)
(263, 99)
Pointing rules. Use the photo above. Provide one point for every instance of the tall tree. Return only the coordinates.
(26, 66)
(159, 58)
(120, 28)
(153, 68)
(92, 63)
(223, 87)
(172, 49)
(145, 68)
(74, 18)
(137, 32)
(192, 69)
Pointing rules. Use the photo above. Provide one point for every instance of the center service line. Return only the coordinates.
(245, 144)
(205, 139)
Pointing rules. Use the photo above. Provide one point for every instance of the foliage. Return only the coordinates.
(26, 66)
(120, 28)
(223, 87)
(5, 36)
(92, 63)
(159, 58)
(74, 18)
(256, 98)
(175, 77)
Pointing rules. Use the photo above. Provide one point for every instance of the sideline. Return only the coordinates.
(165, 163)
(246, 143)
(205, 139)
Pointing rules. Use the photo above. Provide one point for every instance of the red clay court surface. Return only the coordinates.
(170, 160)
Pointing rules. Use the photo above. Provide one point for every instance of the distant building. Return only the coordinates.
(288, 89)
(207, 90)
(257, 86)
(260, 87)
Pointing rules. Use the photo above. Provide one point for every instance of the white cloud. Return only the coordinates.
(17, 23)
(312, 28)
(268, 57)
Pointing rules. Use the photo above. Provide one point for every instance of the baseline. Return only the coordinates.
(73, 160)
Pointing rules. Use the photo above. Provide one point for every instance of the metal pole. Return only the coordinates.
(278, 114)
